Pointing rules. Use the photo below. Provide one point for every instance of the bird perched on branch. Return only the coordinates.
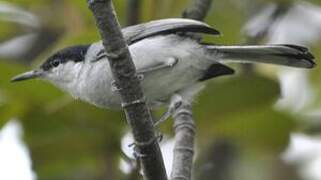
(167, 59)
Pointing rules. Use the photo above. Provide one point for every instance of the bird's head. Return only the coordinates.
(61, 68)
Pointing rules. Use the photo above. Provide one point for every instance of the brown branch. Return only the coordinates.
(126, 81)
(183, 121)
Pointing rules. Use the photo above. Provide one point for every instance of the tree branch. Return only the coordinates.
(184, 143)
(133, 12)
(198, 10)
(183, 120)
(128, 85)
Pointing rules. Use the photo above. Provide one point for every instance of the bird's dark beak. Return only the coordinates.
(27, 75)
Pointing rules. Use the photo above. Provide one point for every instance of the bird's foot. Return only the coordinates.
(114, 86)
(137, 154)
(175, 103)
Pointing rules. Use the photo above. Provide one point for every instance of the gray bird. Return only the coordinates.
(167, 59)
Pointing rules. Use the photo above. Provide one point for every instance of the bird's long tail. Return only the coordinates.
(288, 55)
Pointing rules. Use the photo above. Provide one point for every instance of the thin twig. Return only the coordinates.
(133, 101)
(183, 121)
(133, 12)
(184, 143)
(198, 10)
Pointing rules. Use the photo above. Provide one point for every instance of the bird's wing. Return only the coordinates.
(148, 67)
(138, 32)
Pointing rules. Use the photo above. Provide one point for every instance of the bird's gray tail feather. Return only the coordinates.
(288, 55)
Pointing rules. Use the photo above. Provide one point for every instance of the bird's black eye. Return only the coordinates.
(55, 63)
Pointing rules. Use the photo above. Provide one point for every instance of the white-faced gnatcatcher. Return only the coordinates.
(167, 60)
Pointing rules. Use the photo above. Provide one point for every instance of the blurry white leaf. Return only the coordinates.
(260, 22)
(15, 47)
(295, 88)
(19, 44)
(9, 12)
(300, 25)
(306, 152)
(15, 163)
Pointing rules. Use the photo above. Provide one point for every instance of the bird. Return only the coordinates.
(168, 60)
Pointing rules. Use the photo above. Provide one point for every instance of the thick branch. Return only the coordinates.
(133, 102)
(198, 10)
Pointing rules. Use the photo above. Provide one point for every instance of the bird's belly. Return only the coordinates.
(160, 86)
(157, 88)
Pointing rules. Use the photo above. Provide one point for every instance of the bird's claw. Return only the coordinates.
(175, 104)
(114, 86)
(138, 154)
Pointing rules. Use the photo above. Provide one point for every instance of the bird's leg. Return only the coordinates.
(175, 103)
(114, 86)
(174, 107)
(138, 154)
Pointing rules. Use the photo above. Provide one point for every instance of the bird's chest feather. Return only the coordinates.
(97, 86)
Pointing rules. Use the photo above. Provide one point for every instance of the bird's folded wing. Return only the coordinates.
(138, 32)
(154, 66)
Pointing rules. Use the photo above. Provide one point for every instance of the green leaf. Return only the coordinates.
(75, 139)
(240, 108)
(233, 94)
(9, 30)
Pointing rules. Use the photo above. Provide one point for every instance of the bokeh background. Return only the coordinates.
(264, 122)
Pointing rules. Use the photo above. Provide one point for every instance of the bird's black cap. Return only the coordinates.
(74, 53)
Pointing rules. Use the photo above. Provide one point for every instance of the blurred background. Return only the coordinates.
(263, 123)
